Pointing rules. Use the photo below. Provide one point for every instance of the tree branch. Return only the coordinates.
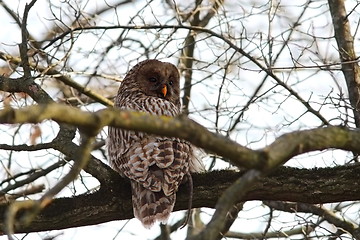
(32, 177)
(24, 41)
(321, 211)
(187, 53)
(112, 201)
(50, 72)
(265, 159)
(228, 198)
(231, 45)
(280, 151)
(34, 207)
(345, 42)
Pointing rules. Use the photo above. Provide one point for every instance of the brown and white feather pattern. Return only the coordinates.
(155, 165)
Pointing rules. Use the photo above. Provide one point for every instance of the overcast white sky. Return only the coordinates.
(264, 121)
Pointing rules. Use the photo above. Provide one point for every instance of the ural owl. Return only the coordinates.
(155, 165)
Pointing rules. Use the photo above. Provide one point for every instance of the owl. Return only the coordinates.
(155, 165)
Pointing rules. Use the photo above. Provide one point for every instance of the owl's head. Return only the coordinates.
(156, 79)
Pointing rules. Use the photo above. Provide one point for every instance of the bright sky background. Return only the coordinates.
(263, 122)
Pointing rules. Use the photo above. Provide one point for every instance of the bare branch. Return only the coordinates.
(187, 54)
(321, 211)
(225, 40)
(280, 151)
(345, 42)
(232, 194)
(7, 82)
(267, 75)
(34, 207)
(259, 235)
(33, 176)
(112, 201)
(24, 41)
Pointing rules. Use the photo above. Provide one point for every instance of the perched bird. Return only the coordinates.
(155, 165)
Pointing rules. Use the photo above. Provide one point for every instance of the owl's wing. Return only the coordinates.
(157, 163)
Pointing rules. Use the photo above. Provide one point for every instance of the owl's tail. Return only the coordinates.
(151, 206)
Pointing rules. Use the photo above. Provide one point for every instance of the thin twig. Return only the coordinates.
(62, 77)
(33, 176)
(225, 40)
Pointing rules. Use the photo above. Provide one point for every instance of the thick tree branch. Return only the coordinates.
(280, 151)
(113, 201)
(265, 159)
(90, 122)
(34, 207)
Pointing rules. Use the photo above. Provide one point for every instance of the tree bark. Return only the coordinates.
(113, 200)
(349, 66)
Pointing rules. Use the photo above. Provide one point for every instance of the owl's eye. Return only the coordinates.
(171, 82)
(152, 79)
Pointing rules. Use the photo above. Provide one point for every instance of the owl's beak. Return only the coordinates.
(164, 90)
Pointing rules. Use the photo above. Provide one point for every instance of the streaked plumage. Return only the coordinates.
(155, 165)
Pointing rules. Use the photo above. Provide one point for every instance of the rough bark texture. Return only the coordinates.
(113, 202)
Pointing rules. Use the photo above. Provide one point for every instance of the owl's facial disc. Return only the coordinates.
(160, 80)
